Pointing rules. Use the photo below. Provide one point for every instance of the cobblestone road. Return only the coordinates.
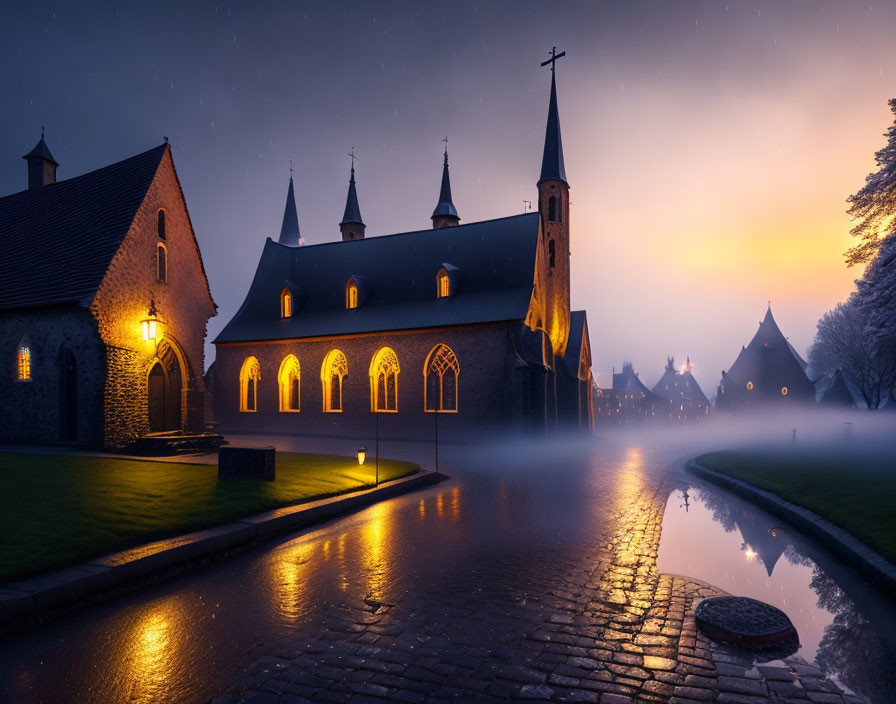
(589, 622)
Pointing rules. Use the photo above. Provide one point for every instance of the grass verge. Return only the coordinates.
(857, 493)
(56, 510)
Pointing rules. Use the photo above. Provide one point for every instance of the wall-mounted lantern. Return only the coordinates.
(150, 322)
(362, 454)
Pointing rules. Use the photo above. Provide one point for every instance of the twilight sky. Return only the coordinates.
(709, 145)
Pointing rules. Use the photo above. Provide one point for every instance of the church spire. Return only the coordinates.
(41, 164)
(552, 167)
(445, 214)
(352, 226)
(289, 231)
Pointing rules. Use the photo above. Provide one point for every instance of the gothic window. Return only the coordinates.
(250, 375)
(443, 284)
(384, 381)
(161, 224)
(285, 303)
(288, 381)
(552, 252)
(351, 294)
(23, 362)
(332, 372)
(440, 373)
(554, 214)
(161, 263)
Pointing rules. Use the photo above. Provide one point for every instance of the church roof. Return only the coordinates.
(445, 205)
(552, 166)
(578, 336)
(57, 241)
(497, 258)
(352, 212)
(41, 151)
(770, 363)
(628, 383)
(289, 231)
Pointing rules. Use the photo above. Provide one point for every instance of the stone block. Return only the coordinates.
(246, 463)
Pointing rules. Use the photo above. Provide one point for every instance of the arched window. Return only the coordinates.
(161, 263)
(351, 294)
(440, 376)
(552, 253)
(23, 362)
(443, 284)
(285, 303)
(161, 224)
(332, 372)
(250, 375)
(384, 381)
(554, 209)
(288, 380)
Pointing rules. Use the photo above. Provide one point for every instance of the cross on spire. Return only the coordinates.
(291, 170)
(352, 155)
(553, 59)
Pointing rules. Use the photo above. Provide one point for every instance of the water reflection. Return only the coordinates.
(716, 537)
(153, 654)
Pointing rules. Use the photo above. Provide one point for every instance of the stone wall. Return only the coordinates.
(487, 393)
(29, 412)
(183, 302)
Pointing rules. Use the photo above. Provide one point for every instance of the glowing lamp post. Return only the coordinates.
(362, 454)
(150, 323)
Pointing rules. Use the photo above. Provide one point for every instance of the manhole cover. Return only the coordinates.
(745, 622)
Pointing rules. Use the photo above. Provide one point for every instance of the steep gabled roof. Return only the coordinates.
(628, 383)
(56, 241)
(679, 386)
(497, 258)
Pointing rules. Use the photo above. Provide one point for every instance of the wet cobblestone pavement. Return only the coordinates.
(599, 625)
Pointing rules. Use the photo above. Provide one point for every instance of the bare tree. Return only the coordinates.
(843, 341)
(874, 206)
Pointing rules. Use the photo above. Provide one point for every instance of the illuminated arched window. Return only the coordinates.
(288, 381)
(23, 362)
(332, 372)
(250, 375)
(161, 224)
(384, 381)
(443, 285)
(351, 294)
(440, 377)
(285, 303)
(161, 263)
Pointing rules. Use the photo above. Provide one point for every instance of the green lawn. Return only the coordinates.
(56, 510)
(857, 492)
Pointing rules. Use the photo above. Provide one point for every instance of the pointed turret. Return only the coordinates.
(445, 214)
(41, 164)
(553, 206)
(352, 226)
(552, 167)
(289, 231)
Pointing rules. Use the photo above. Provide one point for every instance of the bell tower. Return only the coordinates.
(553, 207)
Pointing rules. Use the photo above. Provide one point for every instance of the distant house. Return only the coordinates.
(103, 305)
(768, 370)
(837, 393)
(629, 400)
(685, 399)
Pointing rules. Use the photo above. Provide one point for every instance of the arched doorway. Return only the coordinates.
(68, 395)
(164, 387)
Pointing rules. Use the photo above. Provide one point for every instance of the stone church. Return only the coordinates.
(460, 329)
(103, 305)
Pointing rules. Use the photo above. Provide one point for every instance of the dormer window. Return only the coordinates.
(443, 284)
(448, 280)
(285, 303)
(351, 294)
(161, 224)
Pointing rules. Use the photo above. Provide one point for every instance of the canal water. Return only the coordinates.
(845, 625)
